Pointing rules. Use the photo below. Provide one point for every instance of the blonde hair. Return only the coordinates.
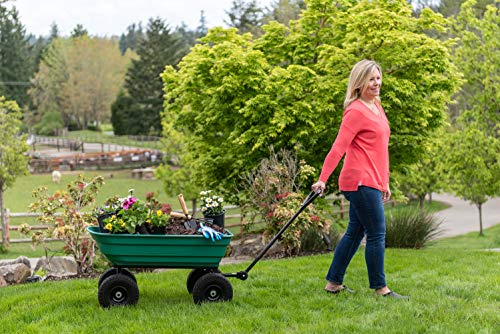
(359, 79)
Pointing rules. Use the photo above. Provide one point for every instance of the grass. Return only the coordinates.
(473, 240)
(102, 137)
(452, 290)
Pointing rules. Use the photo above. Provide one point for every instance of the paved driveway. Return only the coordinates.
(462, 217)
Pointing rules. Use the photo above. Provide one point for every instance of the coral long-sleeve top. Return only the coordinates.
(364, 138)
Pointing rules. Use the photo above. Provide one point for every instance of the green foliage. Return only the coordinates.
(427, 175)
(246, 16)
(13, 148)
(477, 57)
(79, 77)
(407, 228)
(15, 63)
(472, 164)
(62, 212)
(13, 162)
(50, 124)
(232, 97)
(143, 99)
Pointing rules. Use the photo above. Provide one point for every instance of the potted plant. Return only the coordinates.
(131, 215)
(110, 207)
(212, 207)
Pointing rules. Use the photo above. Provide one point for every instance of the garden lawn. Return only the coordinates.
(452, 290)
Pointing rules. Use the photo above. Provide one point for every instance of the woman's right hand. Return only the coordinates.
(318, 185)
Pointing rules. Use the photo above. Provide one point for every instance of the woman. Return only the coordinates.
(364, 179)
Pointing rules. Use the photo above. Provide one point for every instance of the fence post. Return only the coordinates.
(7, 226)
(243, 222)
(341, 207)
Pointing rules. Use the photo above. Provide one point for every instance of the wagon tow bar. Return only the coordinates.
(243, 275)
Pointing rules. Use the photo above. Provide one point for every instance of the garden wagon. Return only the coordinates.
(118, 286)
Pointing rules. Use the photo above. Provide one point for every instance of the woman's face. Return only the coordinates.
(372, 89)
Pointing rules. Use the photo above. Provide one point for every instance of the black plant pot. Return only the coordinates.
(142, 229)
(100, 220)
(157, 229)
(217, 219)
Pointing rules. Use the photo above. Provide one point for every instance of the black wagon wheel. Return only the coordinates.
(212, 287)
(195, 275)
(118, 290)
(113, 271)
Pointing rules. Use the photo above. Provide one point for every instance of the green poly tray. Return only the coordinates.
(161, 251)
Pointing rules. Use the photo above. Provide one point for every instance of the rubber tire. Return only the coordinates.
(118, 290)
(195, 275)
(114, 271)
(212, 287)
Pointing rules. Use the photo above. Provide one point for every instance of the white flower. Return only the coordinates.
(215, 204)
(220, 200)
(203, 209)
(209, 200)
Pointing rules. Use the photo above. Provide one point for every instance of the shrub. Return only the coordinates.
(410, 228)
(274, 191)
(62, 212)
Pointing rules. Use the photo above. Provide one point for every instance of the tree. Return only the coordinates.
(426, 175)
(284, 11)
(79, 78)
(233, 97)
(477, 56)
(13, 161)
(132, 39)
(246, 17)
(143, 84)
(473, 163)
(79, 31)
(15, 63)
(473, 166)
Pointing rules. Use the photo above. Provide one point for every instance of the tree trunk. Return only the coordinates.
(4, 223)
(194, 206)
(430, 198)
(480, 207)
(421, 203)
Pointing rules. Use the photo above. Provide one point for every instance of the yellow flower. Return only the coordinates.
(159, 213)
(108, 226)
(148, 221)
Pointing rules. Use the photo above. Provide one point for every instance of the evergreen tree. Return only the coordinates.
(79, 31)
(15, 64)
(143, 84)
(283, 11)
(132, 38)
(246, 17)
(202, 29)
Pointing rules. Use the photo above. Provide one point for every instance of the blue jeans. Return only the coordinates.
(366, 216)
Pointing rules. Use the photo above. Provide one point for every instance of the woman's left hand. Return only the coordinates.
(386, 195)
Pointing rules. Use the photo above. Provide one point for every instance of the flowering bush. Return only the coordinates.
(62, 212)
(280, 213)
(211, 205)
(128, 213)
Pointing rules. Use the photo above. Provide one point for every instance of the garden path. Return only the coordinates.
(462, 217)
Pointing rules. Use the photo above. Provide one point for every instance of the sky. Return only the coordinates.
(112, 17)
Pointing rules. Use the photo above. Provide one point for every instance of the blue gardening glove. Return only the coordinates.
(209, 232)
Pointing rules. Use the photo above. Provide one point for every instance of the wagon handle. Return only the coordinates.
(243, 275)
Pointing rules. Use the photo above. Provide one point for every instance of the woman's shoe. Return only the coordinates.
(392, 294)
(342, 288)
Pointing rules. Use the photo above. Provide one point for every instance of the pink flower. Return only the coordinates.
(129, 202)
